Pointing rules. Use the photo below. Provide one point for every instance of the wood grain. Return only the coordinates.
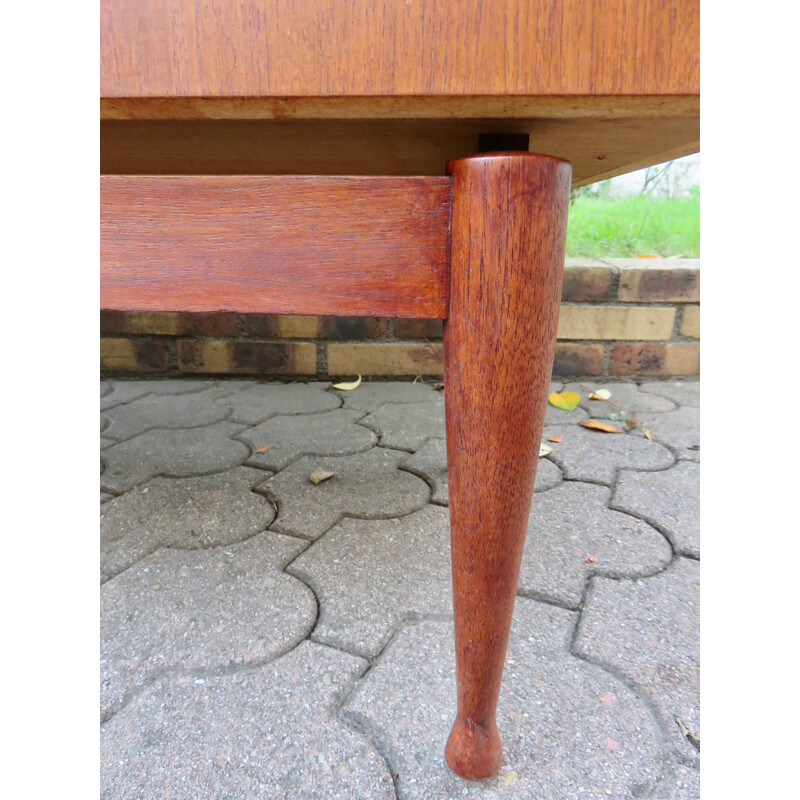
(597, 148)
(509, 230)
(330, 48)
(296, 245)
(642, 106)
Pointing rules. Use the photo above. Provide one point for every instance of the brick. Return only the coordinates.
(682, 358)
(165, 324)
(585, 284)
(674, 358)
(280, 326)
(133, 355)
(353, 327)
(419, 328)
(615, 322)
(395, 358)
(296, 326)
(219, 324)
(248, 358)
(658, 280)
(691, 322)
(578, 359)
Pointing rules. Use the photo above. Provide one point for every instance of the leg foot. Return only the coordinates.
(474, 751)
(508, 235)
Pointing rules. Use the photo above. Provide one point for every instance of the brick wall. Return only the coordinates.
(619, 317)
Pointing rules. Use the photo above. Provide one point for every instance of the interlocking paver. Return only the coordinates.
(182, 513)
(125, 391)
(669, 499)
(366, 485)
(586, 455)
(570, 729)
(329, 434)
(430, 461)
(571, 523)
(647, 630)
(173, 386)
(200, 609)
(406, 427)
(626, 395)
(122, 392)
(181, 410)
(178, 453)
(265, 400)
(259, 734)
(679, 430)
(203, 715)
(682, 784)
(557, 416)
(370, 574)
(370, 396)
(684, 393)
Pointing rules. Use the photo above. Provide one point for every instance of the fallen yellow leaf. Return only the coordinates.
(566, 401)
(600, 394)
(556, 437)
(264, 448)
(648, 435)
(544, 450)
(596, 425)
(648, 255)
(348, 387)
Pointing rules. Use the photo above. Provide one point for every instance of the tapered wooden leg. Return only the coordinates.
(508, 234)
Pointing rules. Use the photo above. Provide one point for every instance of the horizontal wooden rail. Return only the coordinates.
(345, 246)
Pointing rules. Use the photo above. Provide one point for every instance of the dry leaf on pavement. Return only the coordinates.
(320, 475)
(348, 387)
(596, 425)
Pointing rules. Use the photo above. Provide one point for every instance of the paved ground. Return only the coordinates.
(266, 637)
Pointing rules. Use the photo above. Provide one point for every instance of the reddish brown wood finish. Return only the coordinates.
(509, 229)
(366, 246)
(336, 48)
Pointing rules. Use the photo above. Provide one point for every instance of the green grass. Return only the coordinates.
(632, 226)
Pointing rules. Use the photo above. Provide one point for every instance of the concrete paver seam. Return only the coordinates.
(248, 463)
(231, 668)
(377, 736)
(668, 754)
(654, 524)
(197, 672)
(678, 404)
(265, 491)
(149, 478)
(275, 416)
(422, 477)
(361, 731)
(645, 518)
(149, 393)
(206, 548)
(388, 446)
